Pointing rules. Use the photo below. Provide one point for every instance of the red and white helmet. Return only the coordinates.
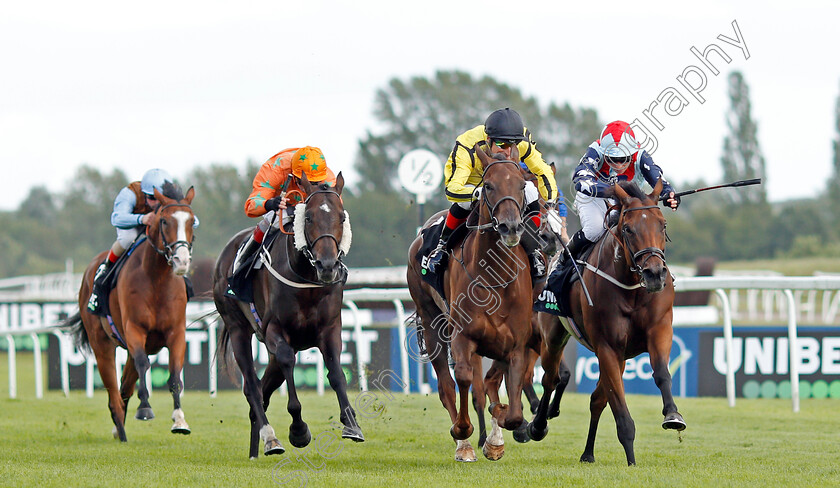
(618, 145)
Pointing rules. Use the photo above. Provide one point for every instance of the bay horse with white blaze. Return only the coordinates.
(297, 296)
(633, 297)
(487, 308)
(148, 310)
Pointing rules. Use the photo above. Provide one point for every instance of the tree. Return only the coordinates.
(742, 157)
(834, 181)
(431, 113)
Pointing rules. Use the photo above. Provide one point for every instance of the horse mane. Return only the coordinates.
(173, 191)
(633, 190)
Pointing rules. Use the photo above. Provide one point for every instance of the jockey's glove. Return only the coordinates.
(273, 204)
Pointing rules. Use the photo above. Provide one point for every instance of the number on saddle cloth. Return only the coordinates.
(110, 281)
(554, 298)
(431, 236)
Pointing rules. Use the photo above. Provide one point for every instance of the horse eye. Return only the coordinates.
(488, 187)
(627, 229)
(308, 219)
(164, 223)
(343, 218)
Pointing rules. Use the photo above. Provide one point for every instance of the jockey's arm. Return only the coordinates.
(456, 179)
(586, 179)
(123, 216)
(545, 177)
(652, 173)
(266, 185)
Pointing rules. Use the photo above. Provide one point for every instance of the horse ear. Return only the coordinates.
(482, 155)
(514, 154)
(339, 183)
(190, 195)
(657, 190)
(161, 198)
(305, 184)
(553, 168)
(621, 195)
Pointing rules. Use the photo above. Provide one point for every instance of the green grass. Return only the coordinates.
(58, 441)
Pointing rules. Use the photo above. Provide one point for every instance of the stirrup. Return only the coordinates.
(435, 257)
(538, 265)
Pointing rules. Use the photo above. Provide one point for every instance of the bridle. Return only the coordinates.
(494, 223)
(649, 252)
(307, 251)
(168, 251)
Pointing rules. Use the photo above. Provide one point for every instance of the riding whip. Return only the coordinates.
(754, 181)
(580, 277)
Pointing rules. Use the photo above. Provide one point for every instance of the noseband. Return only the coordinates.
(494, 223)
(168, 251)
(649, 251)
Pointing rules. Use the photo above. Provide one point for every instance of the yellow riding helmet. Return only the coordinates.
(310, 160)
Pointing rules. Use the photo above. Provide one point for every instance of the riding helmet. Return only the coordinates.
(505, 124)
(154, 178)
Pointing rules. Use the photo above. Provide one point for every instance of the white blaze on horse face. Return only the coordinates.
(181, 258)
(325, 207)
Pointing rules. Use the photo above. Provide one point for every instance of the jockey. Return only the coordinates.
(133, 208)
(277, 190)
(614, 157)
(502, 130)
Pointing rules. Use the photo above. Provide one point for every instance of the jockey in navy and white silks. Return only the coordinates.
(614, 157)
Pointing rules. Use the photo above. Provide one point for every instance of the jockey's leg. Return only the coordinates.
(531, 241)
(255, 239)
(124, 239)
(591, 211)
(458, 213)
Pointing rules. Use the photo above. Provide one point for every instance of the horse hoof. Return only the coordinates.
(181, 429)
(300, 440)
(537, 434)
(354, 434)
(521, 434)
(120, 436)
(674, 422)
(493, 453)
(144, 414)
(464, 452)
(587, 458)
(273, 447)
(553, 414)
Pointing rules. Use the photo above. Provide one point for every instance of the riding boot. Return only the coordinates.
(243, 253)
(576, 244)
(438, 253)
(531, 242)
(98, 284)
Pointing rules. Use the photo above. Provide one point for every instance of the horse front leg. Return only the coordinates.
(553, 381)
(135, 340)
(514, 419)
(493, 447)
(462, 351)
(177, 346)
(659, 348)
(127, 384)
(240, 342)
(331, 350)
(299, 434)
(479, 394)
(612, 369)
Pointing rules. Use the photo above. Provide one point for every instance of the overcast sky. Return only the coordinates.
(184, 84)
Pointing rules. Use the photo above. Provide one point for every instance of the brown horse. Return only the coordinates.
(297, 301)
(488, 290)
(633, 297)
(148, 309)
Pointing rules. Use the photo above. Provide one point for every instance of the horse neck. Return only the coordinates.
(611, 258)
(492, 258)
(152, 262)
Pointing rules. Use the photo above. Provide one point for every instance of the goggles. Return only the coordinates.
(504, 143)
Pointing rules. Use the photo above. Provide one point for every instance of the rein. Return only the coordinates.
(168, 251)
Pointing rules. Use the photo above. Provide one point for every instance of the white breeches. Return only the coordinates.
(591, 211)
(126, 236)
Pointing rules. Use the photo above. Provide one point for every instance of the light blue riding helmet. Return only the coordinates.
(154, 178)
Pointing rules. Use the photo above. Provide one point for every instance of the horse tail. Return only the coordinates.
(76, 328)
(224, 354)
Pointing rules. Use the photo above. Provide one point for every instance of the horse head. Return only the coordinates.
(503, 196)
(170, 231)
(322, 228)
(641, 227)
